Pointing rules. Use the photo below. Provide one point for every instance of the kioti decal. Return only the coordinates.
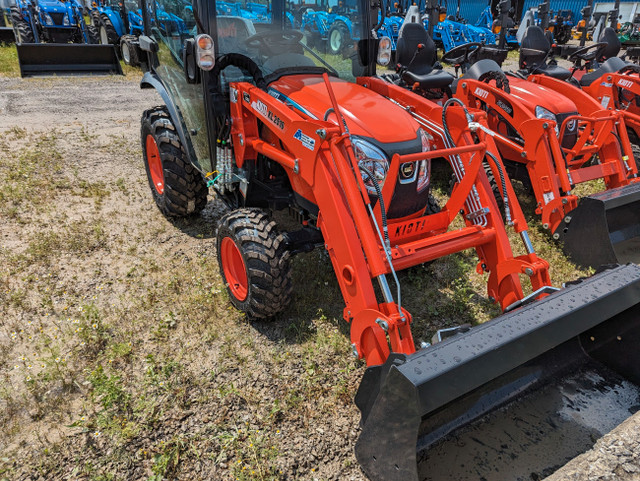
(481, 93)
(263, 110)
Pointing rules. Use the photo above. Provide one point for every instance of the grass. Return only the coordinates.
(121, 357)
(9, 61)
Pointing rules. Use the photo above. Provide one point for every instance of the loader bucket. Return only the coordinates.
(512, 399)
(604, 228)
(6, 35)
(67, 59)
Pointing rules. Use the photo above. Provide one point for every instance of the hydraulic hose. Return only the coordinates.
(505, 197)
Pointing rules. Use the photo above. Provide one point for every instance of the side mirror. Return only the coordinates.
(189, 65)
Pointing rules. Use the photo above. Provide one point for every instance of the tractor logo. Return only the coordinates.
(625, 83)
(571, 125)
(246, 97)
(481, 93)
(407, 170)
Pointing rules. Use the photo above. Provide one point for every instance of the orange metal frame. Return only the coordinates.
(621, 92)
(329, 173)
(553, 169)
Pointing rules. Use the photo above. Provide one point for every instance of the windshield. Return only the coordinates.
(294, 36)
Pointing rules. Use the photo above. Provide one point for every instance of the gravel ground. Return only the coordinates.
(97, 122)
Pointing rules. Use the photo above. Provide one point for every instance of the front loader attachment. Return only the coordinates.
(604, 228)
(67, 59)
(514, 398)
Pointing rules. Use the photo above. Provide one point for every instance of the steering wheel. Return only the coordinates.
(460, 54)
(274, 39)
(586, 53)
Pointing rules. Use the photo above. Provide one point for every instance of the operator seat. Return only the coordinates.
(534, 49)
(610, 61)
(610, 37)
(422, 69)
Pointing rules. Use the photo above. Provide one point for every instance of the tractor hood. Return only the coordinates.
(367, 114)
(532, 95)
(52, 6)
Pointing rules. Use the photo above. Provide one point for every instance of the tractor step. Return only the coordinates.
(604, 228)
(513, 398)
(67, 59)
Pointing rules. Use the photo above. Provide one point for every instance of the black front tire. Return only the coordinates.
(129, 51)
(22, 29)
(93, 35)
(184, 191)
(265, 260)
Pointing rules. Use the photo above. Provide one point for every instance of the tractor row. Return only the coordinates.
(276, 122)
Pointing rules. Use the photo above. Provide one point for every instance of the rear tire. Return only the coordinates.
(108, 34)
(177, 187)
(254, 263)
(21, 27)
(338, 38)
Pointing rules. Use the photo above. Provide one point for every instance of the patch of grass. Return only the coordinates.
(9, 66)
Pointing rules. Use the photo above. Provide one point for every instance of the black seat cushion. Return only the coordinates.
(610, 37)
(436, 79)
(609, 66)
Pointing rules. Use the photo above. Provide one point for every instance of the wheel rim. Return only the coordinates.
(125, 54)
(234, 269)
(155, 164)
(104, 38)
(336, 40)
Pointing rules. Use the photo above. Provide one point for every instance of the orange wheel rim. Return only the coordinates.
(234, 269)
(155, 164)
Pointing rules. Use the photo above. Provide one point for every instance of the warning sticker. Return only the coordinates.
(307, 141)
(548, 197)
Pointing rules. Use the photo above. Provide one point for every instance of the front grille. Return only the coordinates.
(571, 131)
(58, 18)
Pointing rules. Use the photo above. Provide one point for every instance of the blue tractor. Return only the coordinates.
(51, 21)
(336, 28)
(119, 23)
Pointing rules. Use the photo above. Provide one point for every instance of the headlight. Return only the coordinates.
(47, 19)
(543, 113)
(373, 160)
(424, 166)
(66, 22)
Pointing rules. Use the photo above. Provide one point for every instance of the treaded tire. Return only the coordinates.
(264, 258)
(184, 190)
(635, 148)
(21, 27)
(433, 207)
(92, 33)
(338, 38)
(109, 31)
(129, 51)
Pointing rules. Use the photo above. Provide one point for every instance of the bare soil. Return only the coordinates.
(120, 354)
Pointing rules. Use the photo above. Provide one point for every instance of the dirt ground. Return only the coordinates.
(120, 355)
